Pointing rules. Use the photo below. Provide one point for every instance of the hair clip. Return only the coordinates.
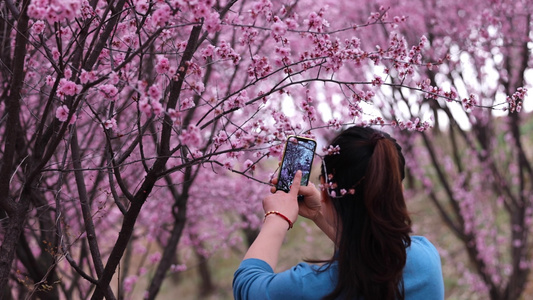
(332, 150)
(331, 187)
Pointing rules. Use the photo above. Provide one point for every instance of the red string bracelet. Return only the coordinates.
(275, 212)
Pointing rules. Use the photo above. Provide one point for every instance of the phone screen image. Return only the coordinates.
(298, 155)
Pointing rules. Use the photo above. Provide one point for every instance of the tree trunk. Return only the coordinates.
(206, 286)
(15, 225)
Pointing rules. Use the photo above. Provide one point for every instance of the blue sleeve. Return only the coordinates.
(255, 279)
(251, 280)
(423, 273)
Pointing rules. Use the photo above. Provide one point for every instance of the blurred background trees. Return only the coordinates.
(138, 137)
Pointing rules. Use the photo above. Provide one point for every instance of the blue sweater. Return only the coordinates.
(255, 279)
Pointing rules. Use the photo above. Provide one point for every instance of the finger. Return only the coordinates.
(296, 182)
(273, 184)
(307, 190)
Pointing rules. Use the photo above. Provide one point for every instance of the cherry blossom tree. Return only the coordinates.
(130, 123)
(477, 170)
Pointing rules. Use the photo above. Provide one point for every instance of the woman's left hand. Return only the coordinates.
(268, 243)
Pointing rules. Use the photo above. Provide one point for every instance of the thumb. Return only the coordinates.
(296, 183)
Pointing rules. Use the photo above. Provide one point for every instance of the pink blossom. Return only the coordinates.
(186, 104)
(55, 54)
(110, 124)
(377, 81)
(178, 268)
(315, 22)
(262, 6)
(212, 22)
(62, 113)
(67, 88)
(155, 257)
(87, 76)
(154, 92)
(228, 164)
(109, 91)
(260, 67)
(515, 101)
(67, 73)
(50, 80)
(51, 16)
(114, 78)
(248, 164)
(310, 110)
(38, 27)
(161, 16)
(104, 55)
(129, 283)
(197, 86)
(157, 108)
(145, 107)
(291, 23)
(225, 51)
(239, 101)
(71, 9)
(191, 136)
(278, 29)
(163, 65)
(130, 40)
(141, 6)
(36, 11)
(248, 36)
(201, 10)
(174, 114)
(208, 51)
(276, 151)
(220, 138)
(283, 51)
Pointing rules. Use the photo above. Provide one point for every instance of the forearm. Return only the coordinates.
(327, 228)
(268, 243)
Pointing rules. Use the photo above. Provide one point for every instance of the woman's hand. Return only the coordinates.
(285, 203)
(311, 205)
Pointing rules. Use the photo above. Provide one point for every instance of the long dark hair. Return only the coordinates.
(365, 186)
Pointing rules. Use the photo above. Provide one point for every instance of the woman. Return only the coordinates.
(361, 208)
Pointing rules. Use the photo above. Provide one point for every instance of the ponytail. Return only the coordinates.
(374, 225)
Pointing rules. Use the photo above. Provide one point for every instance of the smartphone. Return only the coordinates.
(298, 155)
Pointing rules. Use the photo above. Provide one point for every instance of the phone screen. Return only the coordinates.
(298, 155)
